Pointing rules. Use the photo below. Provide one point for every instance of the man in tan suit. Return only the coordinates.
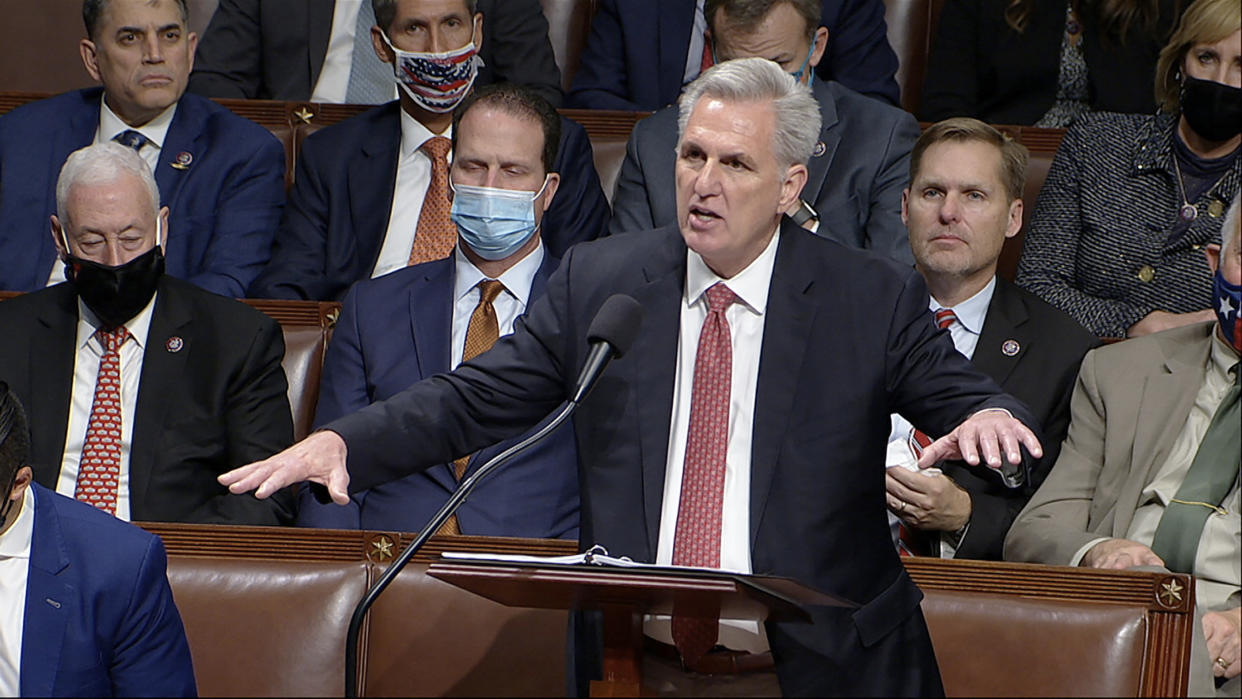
(1153, 444)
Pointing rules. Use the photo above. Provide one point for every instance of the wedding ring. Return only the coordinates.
(904, 504)
(1222, 662)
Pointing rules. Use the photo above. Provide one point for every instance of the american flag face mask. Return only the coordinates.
(437, 82)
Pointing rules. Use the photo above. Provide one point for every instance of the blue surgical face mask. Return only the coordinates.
(495, 223)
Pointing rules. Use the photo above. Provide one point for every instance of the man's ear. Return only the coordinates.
(1015, 218)
(905, 206)
(821, 45)
(60, 237)
(549, 191)
(1212, 252)
(477, 35)
(380, 43)
(795, 179)
(24, 477)
(90, 59)
(164, 218)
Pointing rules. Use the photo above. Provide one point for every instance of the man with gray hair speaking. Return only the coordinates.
(744, 430)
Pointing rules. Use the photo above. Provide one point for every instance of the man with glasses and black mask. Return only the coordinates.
(88, 608)
(423, 320)
(371, 193)
(142, 387)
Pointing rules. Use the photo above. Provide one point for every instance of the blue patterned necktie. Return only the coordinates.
(131, 138)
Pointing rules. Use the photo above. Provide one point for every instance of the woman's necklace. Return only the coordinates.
(1188, 212)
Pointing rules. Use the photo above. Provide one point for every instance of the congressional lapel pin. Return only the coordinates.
(183, 160)
(820, 149)
(1216, 208)
(174, 344)
(1010, 347)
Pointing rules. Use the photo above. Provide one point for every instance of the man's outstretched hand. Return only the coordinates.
(988, 436)
(320, 458)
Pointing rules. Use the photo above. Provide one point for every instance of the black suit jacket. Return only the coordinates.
(337, 216)
(218, 402)
(274, 49)
(847, 340)
(1050, 346)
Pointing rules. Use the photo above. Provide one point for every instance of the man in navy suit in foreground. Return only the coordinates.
(88, 609)
(744, 430)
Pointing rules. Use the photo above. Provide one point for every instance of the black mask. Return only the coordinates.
(1212, 109)
(116, 294)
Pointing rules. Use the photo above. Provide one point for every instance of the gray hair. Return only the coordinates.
(1228, 229)
(756, 80)
(101, 164)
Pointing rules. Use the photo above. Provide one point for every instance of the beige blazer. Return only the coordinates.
(1131, 402)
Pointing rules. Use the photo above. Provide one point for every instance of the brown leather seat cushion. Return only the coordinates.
(1001, 645)
(267, 628)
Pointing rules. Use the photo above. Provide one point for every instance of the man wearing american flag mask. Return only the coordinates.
(1148, 475)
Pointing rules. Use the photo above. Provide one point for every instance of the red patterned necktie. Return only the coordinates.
(99, 468)
(697, 538)
(435, 235)
(910, 541)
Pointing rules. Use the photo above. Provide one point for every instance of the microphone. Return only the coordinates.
(611, 333)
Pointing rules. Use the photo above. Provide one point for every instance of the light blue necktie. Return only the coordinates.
(370, 79)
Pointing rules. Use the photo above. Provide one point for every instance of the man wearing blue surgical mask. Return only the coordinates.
(859, 166)
(428, 318)
(371, 194)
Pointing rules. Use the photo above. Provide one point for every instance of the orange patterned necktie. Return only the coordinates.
(481, 334)
(99, 466)
(435, 235)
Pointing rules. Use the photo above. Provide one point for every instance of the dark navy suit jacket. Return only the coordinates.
(338, 209)
(847, 340)
(636, 54)
(854, 178)
(225, 206)
(100, 616)
(394, 331)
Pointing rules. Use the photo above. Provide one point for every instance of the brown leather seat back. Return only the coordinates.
(307, 327)
(429, 638)
(569, 25)
(1068, 648)
(909, 27)
(261, 627)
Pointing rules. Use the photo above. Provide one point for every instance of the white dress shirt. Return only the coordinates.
(333, 82)
(746, 318)
(413, 179)
(85, 373)
(509, 304)
(971, 315)
(110, 125)
(14, 572)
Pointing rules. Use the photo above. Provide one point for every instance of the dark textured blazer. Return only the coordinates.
(822, 406)
(636, 55)
(218, 402)
(394, 331)
(338, 209)
(1104, 215)
(1050, 347)
(224, 208)
(274, 49)
(855, 181)
(980, 67)
(100, 616)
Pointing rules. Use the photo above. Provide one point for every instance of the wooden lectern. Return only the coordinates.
(624, 595)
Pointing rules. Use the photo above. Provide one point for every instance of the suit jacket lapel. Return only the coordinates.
(160, 367)
(676, 20)
(786, 330)
(1164, 402)
(655, 353)
(318, 29)
(1006, 316)
(52, 364)
(372, 185)
(185, 135)
(49, 602)
(826, 149)
(431, 330)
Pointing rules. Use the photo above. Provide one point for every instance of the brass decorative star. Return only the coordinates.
(382, 546)
(304, 114)
(1170, 592)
